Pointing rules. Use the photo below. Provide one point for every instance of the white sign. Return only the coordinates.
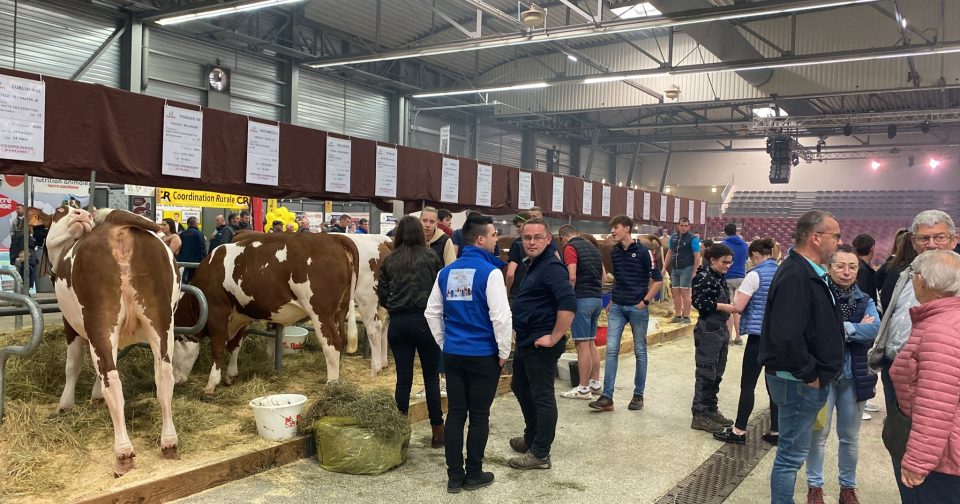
(263, 153)
(557, 195)
(386, 184)
(703, 212)
(631, 208)
(526, 184)
(646, 206)
(605, 202)
(587, 198)
(690, 210)
(338, 165)
(484, 184)
(663, 207)
(22, 114)
(450, 181)
(60, 186)
(139, 190)
(676, 209)
(182, 141)
(445, 139)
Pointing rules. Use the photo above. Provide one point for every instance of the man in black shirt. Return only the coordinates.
(866, 276)
(515, 265)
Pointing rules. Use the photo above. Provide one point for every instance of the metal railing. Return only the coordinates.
(17, 287)
(36, 336)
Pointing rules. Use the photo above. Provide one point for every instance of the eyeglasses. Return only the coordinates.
(939, 239)
(529, 238)
(835, 235)
(844, 266)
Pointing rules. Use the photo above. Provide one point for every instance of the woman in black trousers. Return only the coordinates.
(406, 279)
(751, 301)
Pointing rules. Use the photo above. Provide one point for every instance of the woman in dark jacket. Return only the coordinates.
(406, 280)
(711, 336)
(889, 273)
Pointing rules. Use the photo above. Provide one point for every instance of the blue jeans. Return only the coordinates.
(843, 399)
(617, 319)
(799, 404)
(584, 327)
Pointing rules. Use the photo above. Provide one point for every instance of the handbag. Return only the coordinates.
(896, 432)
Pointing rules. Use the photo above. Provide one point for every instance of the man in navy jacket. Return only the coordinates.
(194, 247)
(543, 308)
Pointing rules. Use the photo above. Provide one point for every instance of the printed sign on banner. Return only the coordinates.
(587, 197)
(557, 194)
(676, 209)
(690, 211)
(182, 141)
(263, 153)
(22, 115)
(605, 202)
(450, 181)
(663, 208)
(646, 206)
(703, 213)
(138, 190)
(386, 172)
(484, 184)
(631, 209)
(523, 197)
(61, 186)
(338, 165)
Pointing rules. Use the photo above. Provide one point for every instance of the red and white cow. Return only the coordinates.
(282, 278)
(372, 250)
(117, 284)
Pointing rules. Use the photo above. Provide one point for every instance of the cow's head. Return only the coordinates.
(67, 227)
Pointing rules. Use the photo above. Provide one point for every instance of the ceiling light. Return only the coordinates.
(934, 164)
(603, 181)
(925, 127)
(666, 189)
(515, 87)
(770, 111)
(640, 10)
(617, 78)
(875, 165)
(572, 58)
(713, 189)
(903, 22)
(231, 9)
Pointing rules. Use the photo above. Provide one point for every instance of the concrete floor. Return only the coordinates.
(620, 456)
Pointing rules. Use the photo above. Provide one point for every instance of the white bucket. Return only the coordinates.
(278, 415)
(293, 338)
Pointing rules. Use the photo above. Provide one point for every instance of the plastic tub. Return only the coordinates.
(293, 338)
(278, 415)
(563, 366)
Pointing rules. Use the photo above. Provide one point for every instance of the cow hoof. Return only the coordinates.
(209, 390)
(63, 408)
(228, 380)
(124, 464)
(170, 453)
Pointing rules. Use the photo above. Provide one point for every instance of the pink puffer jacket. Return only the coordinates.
(926, 375)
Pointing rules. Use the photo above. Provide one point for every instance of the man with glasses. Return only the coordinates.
(932, 230)
(801, 345)
(543, 309)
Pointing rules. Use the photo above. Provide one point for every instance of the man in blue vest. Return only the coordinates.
(684, 256)
(735, 274)
(469, 316)
(543, 305)
(585, 268)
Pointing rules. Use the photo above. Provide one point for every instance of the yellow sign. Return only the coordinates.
(204, 199)
(327, 207)
(271, 204)
(173, 214)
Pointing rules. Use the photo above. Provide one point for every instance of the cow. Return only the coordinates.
(117, 284)
(278, 277)
(372, 250)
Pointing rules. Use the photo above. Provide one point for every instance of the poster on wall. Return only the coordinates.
(587, 198)
(338, 165)
(203, 199)
(22, 112)
(484, 184)
(631, 209)
(263, 153)
(386, 172)
(61, 186)
(690, 211)
(523, 196)
(557, 195)
(139, 190)
(445, 139)
(605, 202)
(182, 141)
(676, 209)
(663, 208)
(703, 213)
(646, 206)
(450, 181)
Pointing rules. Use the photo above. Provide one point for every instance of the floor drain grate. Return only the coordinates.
(716, 478)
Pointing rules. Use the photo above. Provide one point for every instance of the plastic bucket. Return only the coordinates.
(278, 415)
(601, 338)
(293, 338)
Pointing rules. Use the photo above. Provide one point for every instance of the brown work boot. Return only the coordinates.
(602, 404)
(636, 403)
(519, 445)
(815, 495)
(701, 422)
(437, 441)
(849, 496)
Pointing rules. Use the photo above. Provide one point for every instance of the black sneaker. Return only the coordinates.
(636, 403)
(519, 445)
(718, 417)
(454, 485)
(701, 422)
(604, 403)
(728, 436)
(771, 438)
(475, 482)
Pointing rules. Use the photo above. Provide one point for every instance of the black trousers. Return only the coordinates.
(188, 274)
(409, 334)
(712, 340)
(750, 373)
(471, 387)
(534, 370)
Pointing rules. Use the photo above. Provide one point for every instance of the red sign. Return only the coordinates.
(7, 206)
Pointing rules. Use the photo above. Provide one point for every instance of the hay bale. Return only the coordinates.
(375, 410)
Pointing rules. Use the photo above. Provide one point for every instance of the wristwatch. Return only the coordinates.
(646, 302)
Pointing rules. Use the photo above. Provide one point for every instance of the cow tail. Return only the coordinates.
(352, 338)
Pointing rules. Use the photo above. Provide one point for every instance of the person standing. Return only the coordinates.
(684, 256)
(437, 240)
(751, 301)
(801, 345)
(224, 233)
(168, 230)
(888, 275)
(445, 222)
(363, 227)
(245, 222)
(864, 245)
(544, 306)
(515, 266)
(850, 391)
(276, 227)
(406, 278)
(636, 280)
(469, 316)
(193, 248)
(342, 225)
(711, 298)
(736, 273)
(304, 224)
(586, 272)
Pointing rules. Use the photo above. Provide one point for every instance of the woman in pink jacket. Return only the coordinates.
(926, 375)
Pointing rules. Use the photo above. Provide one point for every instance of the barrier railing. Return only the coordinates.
(36, 336)
(17, 287)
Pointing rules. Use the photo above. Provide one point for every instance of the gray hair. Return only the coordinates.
(940, 270)
(808, 224)
(930, 218)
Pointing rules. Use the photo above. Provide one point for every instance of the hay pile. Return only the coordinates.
(375, 410)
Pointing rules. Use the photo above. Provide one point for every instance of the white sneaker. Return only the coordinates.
(873, 408)
(421, 394)
(596, 387)
(576, 393)
(866, 416)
